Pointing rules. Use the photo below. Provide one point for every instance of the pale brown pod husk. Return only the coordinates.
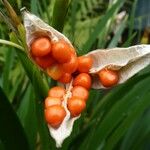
(128, 62)
(36, 27)
(65, 129)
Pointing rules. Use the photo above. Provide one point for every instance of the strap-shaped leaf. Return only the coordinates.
(11, 132)
(119, 111)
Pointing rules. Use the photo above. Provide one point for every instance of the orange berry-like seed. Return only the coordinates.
(41, 46)
(45, 61)
(54, 115)
(80, 92)
(56, 91)
(83, 79)
(84, 63)
(108, 78)
(61, 51)
(65, 78)
(70, 66)
(55, 71)
(76, 106)
(50, 101)
(73, 50)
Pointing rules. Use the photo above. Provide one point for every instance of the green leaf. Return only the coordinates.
(45, 7)
(118, 112)
(34, 7)
(79, 139)
(135, 113)
(40, 86)
(7, 68)
(28, 117)
(10, 126)
(17, 77)
(137, 133)
(118, 34)
(100, 24)
(46, 140)
(1, 145)
(132, 18)
(129, 40)
(73, 15)
(59, 14)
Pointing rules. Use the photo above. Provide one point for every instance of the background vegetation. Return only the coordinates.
(114, 119)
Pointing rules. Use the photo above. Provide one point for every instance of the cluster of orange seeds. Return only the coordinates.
(77, 103)
(57, 58)
(55, 111)
(60, 62)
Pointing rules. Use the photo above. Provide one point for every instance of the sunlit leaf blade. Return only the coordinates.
(10, 126)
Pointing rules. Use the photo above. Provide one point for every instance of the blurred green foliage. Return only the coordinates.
(115, 119)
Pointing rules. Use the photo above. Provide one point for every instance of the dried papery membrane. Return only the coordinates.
(35, 27)
(128, 61)
(65, 129)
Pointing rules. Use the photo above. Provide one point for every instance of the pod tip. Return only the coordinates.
(23, 9)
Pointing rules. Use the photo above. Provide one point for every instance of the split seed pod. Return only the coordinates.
(35, 27)
(65, 129)
(127, 61)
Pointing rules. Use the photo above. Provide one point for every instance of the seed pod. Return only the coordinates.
(36, 28)
(65, 128)
(128, 62)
